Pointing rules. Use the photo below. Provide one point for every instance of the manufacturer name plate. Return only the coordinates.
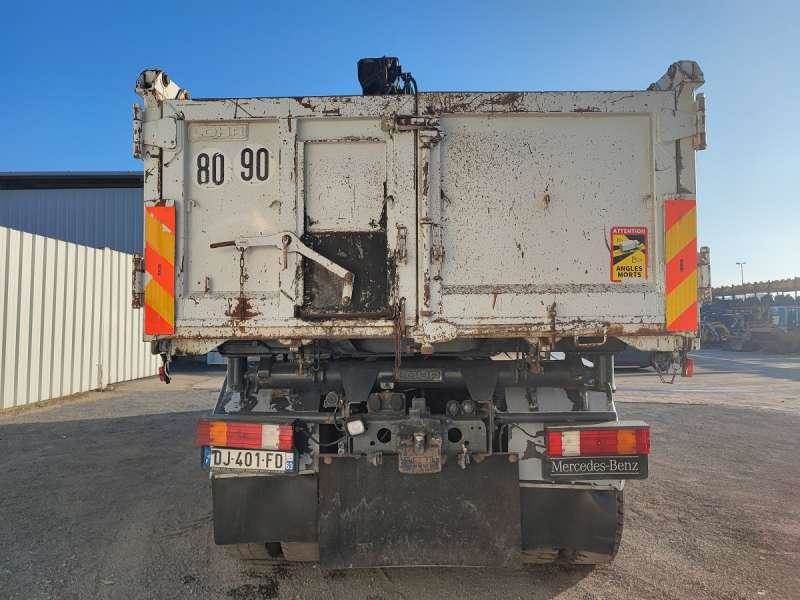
(214, 131)
(426, 375)
(589, 467)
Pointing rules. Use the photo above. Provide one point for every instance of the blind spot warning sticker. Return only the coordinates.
(628, 253)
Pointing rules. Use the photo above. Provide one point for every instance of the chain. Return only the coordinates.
(668, 375)
(399, 332)
(242, 275)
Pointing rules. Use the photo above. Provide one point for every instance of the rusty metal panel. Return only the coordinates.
(493, 211)
(527, 203)
(322, 180)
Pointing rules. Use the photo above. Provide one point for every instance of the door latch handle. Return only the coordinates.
(289, 242)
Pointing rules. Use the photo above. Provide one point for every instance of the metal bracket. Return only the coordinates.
(411, 123)
(699, 140)
(437, 253)
(289, 242)
(161, 133)
(138, 147)
(681, 124)
(584, 345)
(401, 251)
(137, 282)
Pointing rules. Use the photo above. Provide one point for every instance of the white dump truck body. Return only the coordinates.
(447, 215)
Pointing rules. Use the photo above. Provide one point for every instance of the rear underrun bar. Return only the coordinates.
(285, 416)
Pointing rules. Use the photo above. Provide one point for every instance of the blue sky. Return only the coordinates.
(69, 70)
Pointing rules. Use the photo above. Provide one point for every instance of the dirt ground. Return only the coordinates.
(102, 496)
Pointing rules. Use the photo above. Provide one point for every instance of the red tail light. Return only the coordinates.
(554, 446)
(237, 434)
(244, 435)
(598, 441)
(643, 441)
(202, 435)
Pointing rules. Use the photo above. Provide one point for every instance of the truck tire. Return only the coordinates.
(264, 552)
(300, 551)
(567, 556)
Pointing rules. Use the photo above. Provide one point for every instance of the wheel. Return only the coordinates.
(270, 551)
(571, 556)
(300, 551)
(276, 552)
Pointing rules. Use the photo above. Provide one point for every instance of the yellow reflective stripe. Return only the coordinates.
(682, 297)
(159, 238)
(160, 300)
(681, 233)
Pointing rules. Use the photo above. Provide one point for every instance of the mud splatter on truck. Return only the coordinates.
(419, 295)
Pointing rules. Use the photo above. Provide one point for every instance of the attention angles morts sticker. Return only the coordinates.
(628, 253)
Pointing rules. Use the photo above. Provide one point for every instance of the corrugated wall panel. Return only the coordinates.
(48, 318)
(24, 316)
(91, 217)
(38, 295)
(11, 318)
(66, 325)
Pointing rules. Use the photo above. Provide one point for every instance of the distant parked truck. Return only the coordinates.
(418, 295)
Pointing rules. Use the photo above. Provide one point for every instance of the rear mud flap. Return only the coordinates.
(374, 516)
(572, 524)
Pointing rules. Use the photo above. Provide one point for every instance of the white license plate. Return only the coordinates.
(270, 461)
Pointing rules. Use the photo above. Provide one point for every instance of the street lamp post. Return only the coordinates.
(741, 273)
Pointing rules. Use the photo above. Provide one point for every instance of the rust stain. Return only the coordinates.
(242, 311)
(507, 99)
(305, 103)
(486, 103)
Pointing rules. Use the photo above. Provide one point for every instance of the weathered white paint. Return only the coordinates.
(507, 200)
(66, 324)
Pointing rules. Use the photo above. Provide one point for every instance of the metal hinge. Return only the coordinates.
(137, 282)
(138, 150)
(699, 138)
(401, 251)
(682, 124)
(160, 133)
(412, 122)
(437, 253)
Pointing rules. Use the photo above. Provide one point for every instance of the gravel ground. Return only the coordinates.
(102, 497)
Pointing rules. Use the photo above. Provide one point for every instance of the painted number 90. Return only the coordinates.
(255, 164)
